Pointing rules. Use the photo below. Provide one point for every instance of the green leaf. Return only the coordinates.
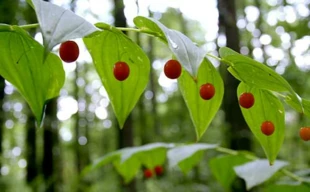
(267, 107)
(127, 161)
(222, 168)
(59, 25)
(287, 188)
(106, 49)
(149, 26)
(258, 171)
(186, 52)
(306, 105)
(201, 111)
(22, 64)
(127, 169)
(259, 75)
(225, 51)
(30, 3)
(187, 156)
(110, 157)
(149, 155)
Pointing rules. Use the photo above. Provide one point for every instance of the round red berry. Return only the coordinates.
(246, 100)
(121, 70)
(172, 69)
(159, 170)
(207, 91)
(69, 51)
(304, 133)
(148, 173)
(267, 128)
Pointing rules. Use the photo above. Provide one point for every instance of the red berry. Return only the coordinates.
(304, 133)
(246, 100)
(121, 70)
(267, 128)
(207, 91)
(172, 69)
(69, 51)
(159, 170)
(148, 173)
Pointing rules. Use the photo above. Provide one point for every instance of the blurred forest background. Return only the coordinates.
(80, 127)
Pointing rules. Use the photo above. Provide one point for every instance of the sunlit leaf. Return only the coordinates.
(58, 24)
(306, 105)
(258, 171)
(259, 75)
(150, 155)
(267, 107)
(127, 161)
(201, 111)
(225, 51)
(106, 49)
(148, 25)
(222, 168)
(186, 52)
(187, 156)
(127, 169)
(22, 64)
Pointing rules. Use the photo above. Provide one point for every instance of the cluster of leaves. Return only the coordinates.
(38, 75)
(225, 168)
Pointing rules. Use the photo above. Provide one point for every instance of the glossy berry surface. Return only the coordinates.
(69, 51)
(148, 173)
(246, 100)
(304, 133)
(267, 128)
(207, 91)
(172, 69)
(121, 71)
(159, 170)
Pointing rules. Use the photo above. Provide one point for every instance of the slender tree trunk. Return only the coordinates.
(125, 134)
(2, 84)
(240, 136)
(8, 12)
(31, 136)
(50, 141)
(153, 78)
(239, 129)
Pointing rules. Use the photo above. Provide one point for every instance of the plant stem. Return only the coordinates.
(30, 26)
(146, 31)
(214, 57)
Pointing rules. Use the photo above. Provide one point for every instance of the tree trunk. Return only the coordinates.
(8, 12)
(2, 84)
(240, 136)
(125, 134)
(50, 141)
(31, 137)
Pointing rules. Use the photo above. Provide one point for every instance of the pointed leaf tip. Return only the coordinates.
(59, 25)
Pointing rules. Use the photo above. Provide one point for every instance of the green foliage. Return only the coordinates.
(267, 107)
(128, 161)
(287, 188)
(187, 156)
(222, 168)
(23, 65)
(186, 52)
(38, 75)
(258, 75)
(260, 169)
(106, 49)
(202, 112)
